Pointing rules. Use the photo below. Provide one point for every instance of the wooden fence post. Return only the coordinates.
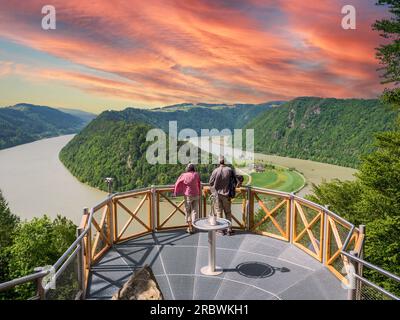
(291, 218)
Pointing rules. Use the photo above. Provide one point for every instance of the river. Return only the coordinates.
(35, 182)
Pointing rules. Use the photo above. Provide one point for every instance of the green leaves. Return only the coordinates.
(8, 224)
(109, 148)
(383, 249)
(389, 53)
(39, 242)
(373, 199)
(335, 131)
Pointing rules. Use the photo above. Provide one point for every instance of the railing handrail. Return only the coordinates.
(371, 266)
(28, 278)
(75, 245)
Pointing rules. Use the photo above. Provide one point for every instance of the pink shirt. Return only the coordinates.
(188, 184)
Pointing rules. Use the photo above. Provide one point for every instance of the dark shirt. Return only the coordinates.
(220, 180)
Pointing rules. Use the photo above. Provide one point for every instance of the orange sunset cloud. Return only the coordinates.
(152, 53)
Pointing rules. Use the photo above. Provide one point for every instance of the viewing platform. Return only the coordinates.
(284, 247)
(254, 267)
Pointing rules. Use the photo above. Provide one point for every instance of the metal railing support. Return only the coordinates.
(40, 290)
(352, 286)
(81, 265)
(360, 269)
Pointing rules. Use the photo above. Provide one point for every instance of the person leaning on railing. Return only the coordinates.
(223, 183)
(189, 185)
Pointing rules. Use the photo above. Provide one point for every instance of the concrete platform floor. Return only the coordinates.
(255, 268)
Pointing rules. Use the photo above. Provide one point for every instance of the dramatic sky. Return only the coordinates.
(146, 53)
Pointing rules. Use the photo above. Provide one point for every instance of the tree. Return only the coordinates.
(39, 242)
(342, 198)
(380, 177)
(374, 198)
(389, 53)
(8, 224)
(383, 249)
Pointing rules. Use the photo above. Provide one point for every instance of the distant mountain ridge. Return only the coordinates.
(336, 131)
(84, 115)
(194, 116)
(24, 123)
(186, 106)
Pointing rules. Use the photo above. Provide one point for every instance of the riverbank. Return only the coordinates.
(35, 182)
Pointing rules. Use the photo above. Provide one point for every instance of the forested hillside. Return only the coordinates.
(25, 123)
(114, 144)
(334, 131)
(109, 148)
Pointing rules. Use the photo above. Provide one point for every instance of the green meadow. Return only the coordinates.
(277, 179)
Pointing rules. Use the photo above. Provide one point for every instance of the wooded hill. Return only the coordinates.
(336, 131)
(116, 148)
(25, 123)
(115, 145)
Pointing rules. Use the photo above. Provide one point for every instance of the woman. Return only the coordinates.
(189, 185)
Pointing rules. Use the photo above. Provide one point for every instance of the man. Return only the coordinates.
(223, 182)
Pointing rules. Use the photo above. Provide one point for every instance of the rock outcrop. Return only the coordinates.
(140, 286)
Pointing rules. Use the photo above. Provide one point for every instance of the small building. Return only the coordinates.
(259, 167)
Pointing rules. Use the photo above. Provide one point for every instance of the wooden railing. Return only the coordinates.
(269, 213)
(312, 228)
(174, 215)
(309, 226)
(132, 215)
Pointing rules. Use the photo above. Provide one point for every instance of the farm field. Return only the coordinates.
(314, 172)
(278, 179)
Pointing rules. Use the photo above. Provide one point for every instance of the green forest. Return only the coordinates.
(25, 123)
(109, 148)
(114, 144)
(334, 131)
